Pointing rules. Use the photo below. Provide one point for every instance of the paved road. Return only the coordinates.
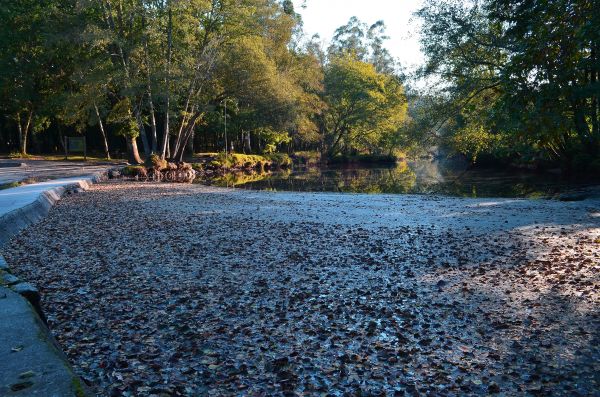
(10, 171)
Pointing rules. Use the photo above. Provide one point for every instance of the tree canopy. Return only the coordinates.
(520, 78)
(168, 74)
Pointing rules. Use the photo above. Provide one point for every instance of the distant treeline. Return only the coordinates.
(166, 76)
(509, 81)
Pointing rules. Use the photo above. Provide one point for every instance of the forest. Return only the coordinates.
(506, 82)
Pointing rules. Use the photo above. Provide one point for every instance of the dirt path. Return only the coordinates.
(189, 290)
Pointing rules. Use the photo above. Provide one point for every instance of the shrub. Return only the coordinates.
(308, 158)
(137, 171)
(280, 159)
(156, 162)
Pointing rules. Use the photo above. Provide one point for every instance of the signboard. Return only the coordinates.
(75, 144)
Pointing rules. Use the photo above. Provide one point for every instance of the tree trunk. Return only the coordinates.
(190, 144)
(154, 136)
(581, 126)
(20, 128)
(153, 123)
(106, 151)
(168, 82)
(168, 152)
(24, 131)
(189, 131)
(247, 143)
(132, 150)
(142, 129)
(594, 80)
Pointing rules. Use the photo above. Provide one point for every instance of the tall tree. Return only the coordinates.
(364, 107)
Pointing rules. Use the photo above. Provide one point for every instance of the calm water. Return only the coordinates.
(422, 177)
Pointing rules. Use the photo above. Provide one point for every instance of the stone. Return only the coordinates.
(9, 279)
(31, 293)
(27, 290)
(3, 264)
(114, 174)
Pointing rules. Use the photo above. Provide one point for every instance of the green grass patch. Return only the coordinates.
(19, 155)
(9, 185)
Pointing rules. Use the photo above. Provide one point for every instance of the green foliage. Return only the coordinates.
(281, 160)
(135, 171)
(272, 139)
(518, 77)
(366, 109)
(155, 162)
(172, 73)
(234, 161)
(9, 185)
(308, 158)
(473, 139)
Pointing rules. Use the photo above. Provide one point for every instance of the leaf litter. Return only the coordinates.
(170, 290)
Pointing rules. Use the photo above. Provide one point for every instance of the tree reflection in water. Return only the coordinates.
(420, 177)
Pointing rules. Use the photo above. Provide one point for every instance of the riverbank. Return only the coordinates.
(187, 289)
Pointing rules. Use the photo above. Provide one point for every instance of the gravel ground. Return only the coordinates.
(159, 289)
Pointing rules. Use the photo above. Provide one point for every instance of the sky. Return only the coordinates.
(325, 16)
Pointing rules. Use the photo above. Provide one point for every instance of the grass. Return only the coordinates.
(77, 387)
(17, 155)
(61, 157)
(10, 185)
(80, 158)
(242, 161)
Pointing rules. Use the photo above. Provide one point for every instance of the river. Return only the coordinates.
(416, 177)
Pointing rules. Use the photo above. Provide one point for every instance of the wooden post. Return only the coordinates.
(66, 148)
(84, 149)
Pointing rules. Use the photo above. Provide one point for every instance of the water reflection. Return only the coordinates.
(420, 177)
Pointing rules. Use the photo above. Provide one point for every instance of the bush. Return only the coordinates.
(155, 162)
(137, 171)
(239, 161)
(280, 160)
(308, 158)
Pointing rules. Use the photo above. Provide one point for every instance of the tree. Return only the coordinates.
(530, 67)
(364, 107)
(365, 42)
(28, 69)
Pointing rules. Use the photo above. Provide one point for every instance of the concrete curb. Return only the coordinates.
(13, 222)
(31, 362)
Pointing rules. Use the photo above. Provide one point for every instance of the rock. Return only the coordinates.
(3, 264)
(280, 363)
(112, 174)
(31, 293)
(493, 388)
(28, 291)
(9, 279)
(21, 386)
